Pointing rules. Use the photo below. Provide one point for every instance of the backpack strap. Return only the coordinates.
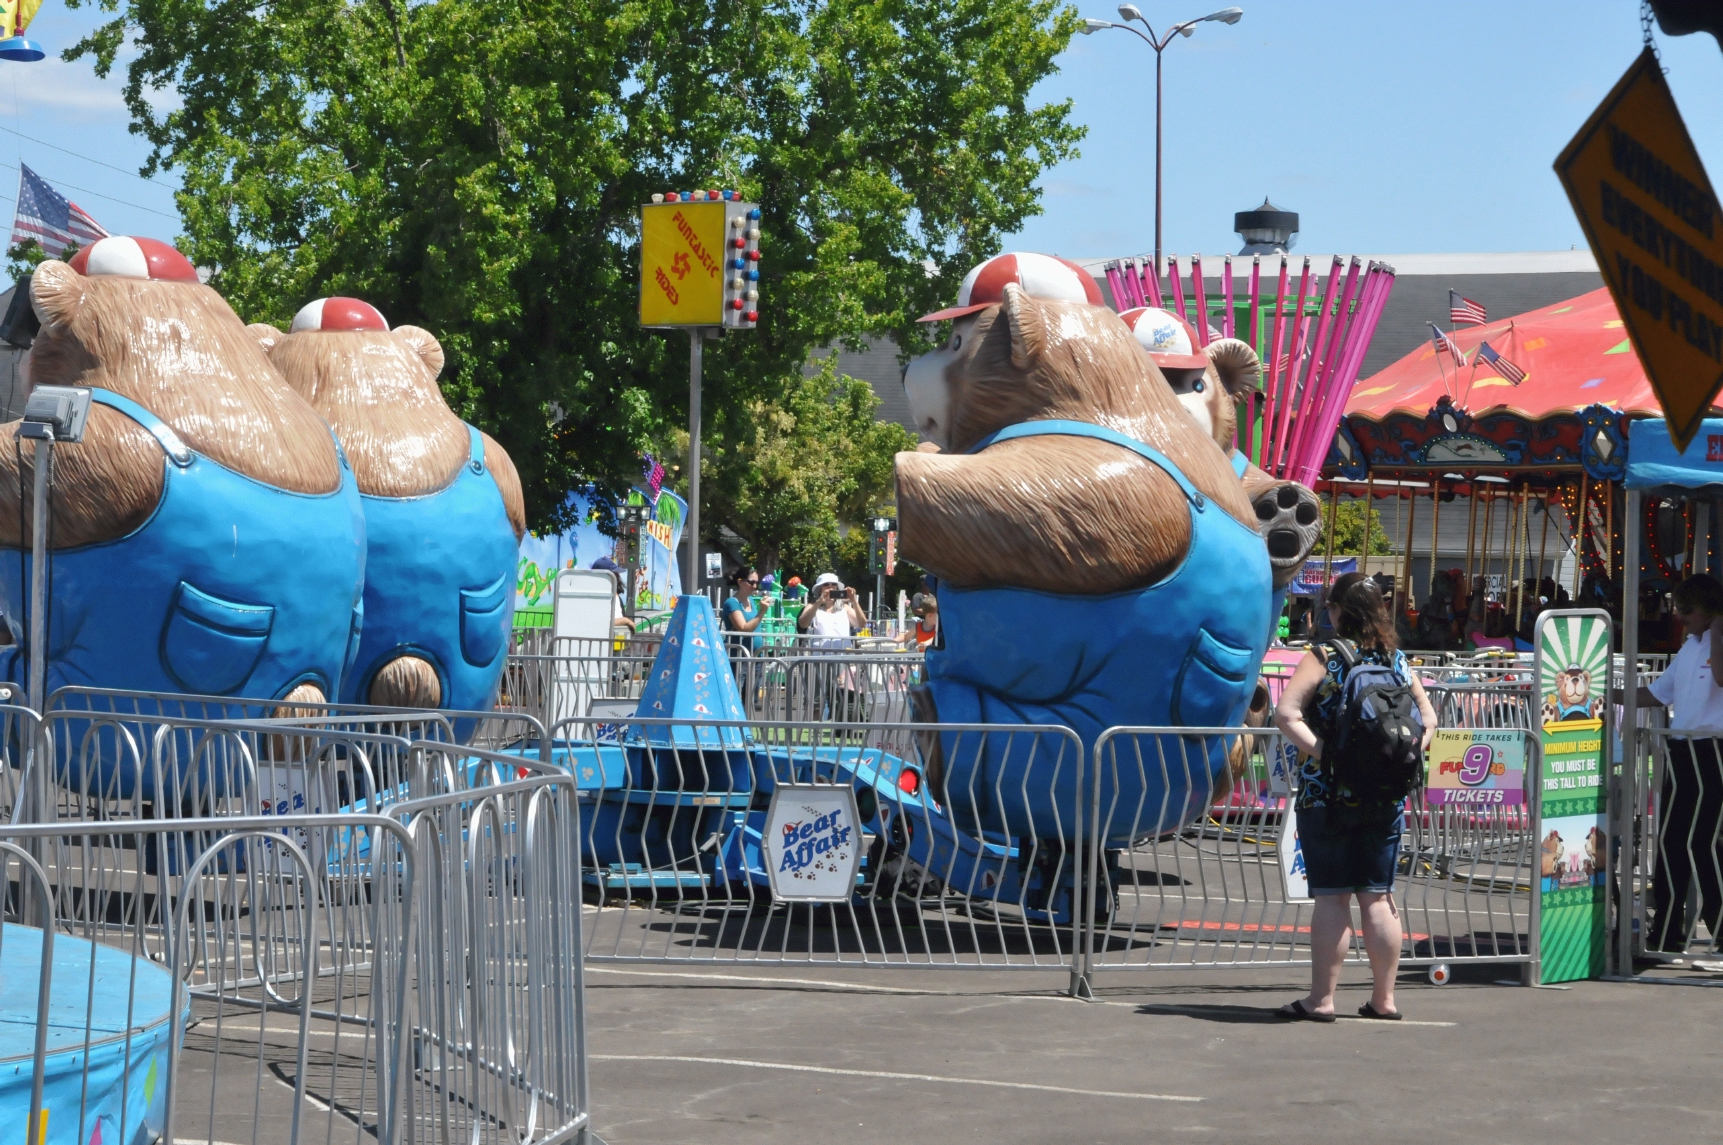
(1348, 655)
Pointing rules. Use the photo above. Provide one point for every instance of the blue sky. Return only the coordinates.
(1390, 126)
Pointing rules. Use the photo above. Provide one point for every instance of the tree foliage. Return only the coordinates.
(476, 169)
(1349, 531)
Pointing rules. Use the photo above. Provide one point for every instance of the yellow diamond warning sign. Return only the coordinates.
(1653, 222)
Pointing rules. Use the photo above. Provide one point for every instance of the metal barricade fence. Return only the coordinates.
(1225, 887)
(1495, 706)
(848, 688)
(20, 732)
(553, 688)
(1676, 874)
(964, 869)
(314, 977)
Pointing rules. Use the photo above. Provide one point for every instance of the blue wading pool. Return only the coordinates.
(116, 1020)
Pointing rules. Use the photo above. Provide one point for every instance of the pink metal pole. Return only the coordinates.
(1269, 427)
(1201, 322)
(1149, 286)
(1116, 284)
(1357, 345)
(1289, 377)
(1178, 285)
(1314, 449)
(1313, 377)
(1227, 324)
(1329, 354)
(1265, 409)
(1134, 284)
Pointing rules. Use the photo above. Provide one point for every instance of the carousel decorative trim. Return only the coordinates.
(1450, 437)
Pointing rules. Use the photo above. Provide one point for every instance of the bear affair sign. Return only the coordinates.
(812, 843)
(1651, 217)
(699, 261)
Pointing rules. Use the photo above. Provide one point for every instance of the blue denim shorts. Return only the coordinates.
(1348, 849)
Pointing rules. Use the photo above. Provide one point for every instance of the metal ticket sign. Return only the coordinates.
(812, 843)
(1652, 219)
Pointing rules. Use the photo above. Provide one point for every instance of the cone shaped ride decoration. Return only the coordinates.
(691, 680)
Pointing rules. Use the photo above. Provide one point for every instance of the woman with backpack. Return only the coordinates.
(1362, 722)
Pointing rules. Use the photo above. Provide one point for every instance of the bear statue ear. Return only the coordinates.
(1028, 327)
(1239, 368)
(423, 343)
(266, 336)
(56, 293)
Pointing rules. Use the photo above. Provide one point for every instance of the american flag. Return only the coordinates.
(1445, 344)
(654, 476)
(1500, 364)
(50, 218)
(1465, 312)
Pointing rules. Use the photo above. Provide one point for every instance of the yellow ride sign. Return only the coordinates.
(699, 263)
(1652, 219)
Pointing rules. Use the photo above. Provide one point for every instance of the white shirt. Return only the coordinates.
(1690, 689)
(831, 627)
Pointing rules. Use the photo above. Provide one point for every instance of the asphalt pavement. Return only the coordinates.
(791, 1055)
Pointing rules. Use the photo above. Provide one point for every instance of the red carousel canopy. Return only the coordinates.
(1582, 379)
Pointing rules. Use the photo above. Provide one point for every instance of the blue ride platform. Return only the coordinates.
(108, 1032)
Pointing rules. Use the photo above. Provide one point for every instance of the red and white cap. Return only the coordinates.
(1168, 338)
(127, 257)
(338, 314)
(1043, 276)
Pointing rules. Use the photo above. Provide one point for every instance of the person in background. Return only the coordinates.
(1692, 795)
(741, 611)
(832, 615)
(926, 629)
(1349, 848)
(617, 619)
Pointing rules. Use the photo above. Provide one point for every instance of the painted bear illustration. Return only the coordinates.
(443, 508)
(1553, 865)
(1209, 381)
(206, 534)
(1098, 558)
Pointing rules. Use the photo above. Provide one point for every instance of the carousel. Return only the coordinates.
(1500, 451)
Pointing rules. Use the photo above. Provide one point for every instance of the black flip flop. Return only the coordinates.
(1369, 1011)
(1297, 1011)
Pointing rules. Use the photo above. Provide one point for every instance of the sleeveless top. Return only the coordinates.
(440, 585)
(1316, 788)
(1182, 652)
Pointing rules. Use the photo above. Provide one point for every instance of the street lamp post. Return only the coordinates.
(1159, 43)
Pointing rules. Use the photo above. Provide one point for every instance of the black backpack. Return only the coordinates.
(1375, 747)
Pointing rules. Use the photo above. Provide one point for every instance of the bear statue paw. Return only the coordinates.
(1289, 517)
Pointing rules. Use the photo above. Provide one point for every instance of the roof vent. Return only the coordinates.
(1266, 230)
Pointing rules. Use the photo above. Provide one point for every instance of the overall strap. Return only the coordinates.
(1056, 427)
(1239, 462)
(476, 444)
(177, 450)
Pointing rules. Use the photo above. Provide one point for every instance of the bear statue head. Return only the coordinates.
(1060, 514)
(1210, 380)
(377, 388)
(130, 316)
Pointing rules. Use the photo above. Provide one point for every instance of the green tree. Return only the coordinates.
(476, 169)
(1349, 531)
(24, 257)
(786, 472)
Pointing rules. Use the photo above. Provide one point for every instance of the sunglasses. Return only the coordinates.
(751, 582)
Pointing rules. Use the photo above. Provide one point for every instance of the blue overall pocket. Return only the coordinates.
(484, 611)
(1211, 686)
(210, 645)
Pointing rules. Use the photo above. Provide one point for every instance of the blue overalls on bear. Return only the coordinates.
(232, 587)
(1182, 652)
(440, 585)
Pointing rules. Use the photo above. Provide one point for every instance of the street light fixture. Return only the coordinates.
(1129, 12)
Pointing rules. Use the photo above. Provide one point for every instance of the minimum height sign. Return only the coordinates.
(1573, 650)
